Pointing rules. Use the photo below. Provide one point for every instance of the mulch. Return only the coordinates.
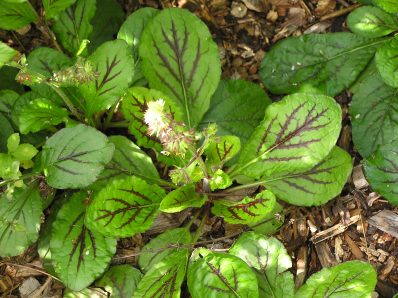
(359, 224)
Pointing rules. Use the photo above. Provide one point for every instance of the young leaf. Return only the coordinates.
(6, 53)
(79, 254)
(73, 25)
(19, 220)
(387, 62)
(74, 157)
(222, 149)
(271, 262)
(237, 107)
(220, 275)
(120, 281)
(314, 186)
(131, 32)
(164, 279)
(220, 180)
(248, 210)
(296, 133)
(180, 59)
(128, 160)
(387, 5)
(328, 63)
(108, 17)
(182, 198)
(40, 114)
(382, 171)
(371, 22)
(125, 207)
(163, 246)
(14, 16)
(115, 65)
(374, 114)
(350, 279)
(54, 7)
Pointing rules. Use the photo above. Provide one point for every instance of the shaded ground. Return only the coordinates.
(315, 237)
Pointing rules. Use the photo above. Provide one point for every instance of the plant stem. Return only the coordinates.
(109, 116)
(199, 230)
(23, 177)
(67, 101)
(124, 123)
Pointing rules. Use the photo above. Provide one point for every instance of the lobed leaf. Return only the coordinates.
(54, 7)
(125, 207)
(371, 22)
(162, 246)
(40, 114)
(316, 185)
(120, 281)
(180, 59)
(387, 62)
(74, 157)
(381, 169)
(182, 198)
(115, 65)
(247, 211)
(271, 262)
(20, 219)
(237, 107)
(73, 25)
(374, 114)
(14, 16)
(220, 275)
(164, 279)
(296, 134)
(349, 279)
(79, 254)
(325, 63)
(128, 160)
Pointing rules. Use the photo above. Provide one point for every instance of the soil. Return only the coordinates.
(358, 224)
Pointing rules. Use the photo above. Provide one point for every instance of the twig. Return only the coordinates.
(340, 12)
(37, 293)
(30, 267)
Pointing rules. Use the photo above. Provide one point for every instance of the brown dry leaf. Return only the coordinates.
(257, 5)
(282, 6)
(295, 19)
(325, 6)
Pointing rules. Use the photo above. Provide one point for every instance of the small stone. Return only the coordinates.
(238, 10)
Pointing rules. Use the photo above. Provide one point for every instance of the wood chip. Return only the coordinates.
(358, 178)
(387, 221)
(333, 231)
(28, 286)
(238, 10)
(354, 247)
(325, 256)
(301, 266)
(338, 249)
(386, 269)
(257, 5)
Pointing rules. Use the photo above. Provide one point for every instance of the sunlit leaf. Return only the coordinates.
(181, 199)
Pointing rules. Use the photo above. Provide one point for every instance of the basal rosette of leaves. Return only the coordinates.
(125, 129)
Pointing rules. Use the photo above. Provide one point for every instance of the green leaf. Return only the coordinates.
(220, 275)
(180, 59)
(40, 114)
(314, 186)
(182, 198)
(125, 207)
(131, 31)
(163, 246)
(248, 210)
(220, 180)
(381, 169)
(128, 160)
(8, 99)
(54, 7)
(73, 25)
(5, 131)
(108, 17)
(387, 62)
(271, 262)
(297, 132)
(19, 220)
(327, 63)
(79, 254)
(120, 281)
(237, 107)
(24, 152)
(374, 114)
(74, 157)
(114, 63)
(13, 142)
(371, 22)
(7, 75)
(85, 293)
(6, 53)
(16, 15)
(387, 5)
(270, 223)
(222, 149)
(164, 279)
(354, 279)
